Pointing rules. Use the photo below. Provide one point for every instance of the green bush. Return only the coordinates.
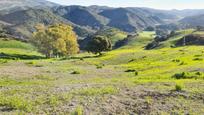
(178, 87)
(100, 66)
(130, 70)
(30, 63)
(197, 59)
(187, 75)
(176, 60)
(136, 73)
(198, 73)
(180, 75)
(2, 61)
(182, 63)
(75, 72)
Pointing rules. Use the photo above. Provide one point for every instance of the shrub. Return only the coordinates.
(132, 60)
(197, 55)
(182, 63)
(30, 63)
(99, 66)
(178, 87)
(38, 65)
(198, 73)
(136, 73)
(33, 63)
(3, 61)
(130, 70)
(152, 45)
(197, 59)
(187, 75)
(75, 72)
(179, 75)
(176, 60)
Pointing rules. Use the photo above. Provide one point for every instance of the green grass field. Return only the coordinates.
(128, 80)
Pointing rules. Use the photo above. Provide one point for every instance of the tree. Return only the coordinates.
(98, 44)
(150, 28)
(161, 32)
(56, 40)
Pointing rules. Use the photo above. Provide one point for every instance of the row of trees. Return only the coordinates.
(60, 40)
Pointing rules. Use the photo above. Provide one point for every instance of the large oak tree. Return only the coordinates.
(56, 40)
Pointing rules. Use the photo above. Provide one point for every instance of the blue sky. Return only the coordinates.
(159, 4)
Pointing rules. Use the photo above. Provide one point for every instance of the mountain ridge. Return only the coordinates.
(87, 19)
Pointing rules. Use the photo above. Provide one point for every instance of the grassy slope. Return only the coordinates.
(114, 34)
(13, 47)
(174, 39)
(47, 86)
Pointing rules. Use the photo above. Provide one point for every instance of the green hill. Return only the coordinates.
(12, 49)
(195, 20)
(168, 78)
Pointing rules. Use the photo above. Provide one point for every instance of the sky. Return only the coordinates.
(158, 4)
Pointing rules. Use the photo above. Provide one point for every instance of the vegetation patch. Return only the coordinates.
(187, 75)
(33, 63)
(44, 77)
(76, 72)
(3, 61)
(178, 87)
(16, 102)
(97, 91)
(78, 111)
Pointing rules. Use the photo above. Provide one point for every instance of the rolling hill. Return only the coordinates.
(128, 80)
(197, 20)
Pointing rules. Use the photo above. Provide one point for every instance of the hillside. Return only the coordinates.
(22, 23)
(128, 80)
(194, 21)
(113, 34)
(14, 5)
(81, 16)
(128, 20)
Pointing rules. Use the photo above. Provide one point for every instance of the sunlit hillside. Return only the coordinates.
(126, 80)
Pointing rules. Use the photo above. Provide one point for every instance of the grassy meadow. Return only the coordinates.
(128, 80)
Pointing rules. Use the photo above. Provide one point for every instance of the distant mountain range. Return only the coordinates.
(197, 20)
(20, 16)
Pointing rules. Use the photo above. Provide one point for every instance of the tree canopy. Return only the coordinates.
(55, 40)
(98, 44)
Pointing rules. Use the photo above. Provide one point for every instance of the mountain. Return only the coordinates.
(81, 16)
(21, 23)
(187, 12)
(126, 19)
(19, 17)
(13, 5)
(194, 21)
(130, 20)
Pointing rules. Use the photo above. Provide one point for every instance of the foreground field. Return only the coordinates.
(129, 80)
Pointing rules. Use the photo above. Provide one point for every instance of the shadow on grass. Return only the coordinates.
(19, 56)
(81, 58)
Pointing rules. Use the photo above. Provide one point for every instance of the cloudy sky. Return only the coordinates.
(159, 4)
